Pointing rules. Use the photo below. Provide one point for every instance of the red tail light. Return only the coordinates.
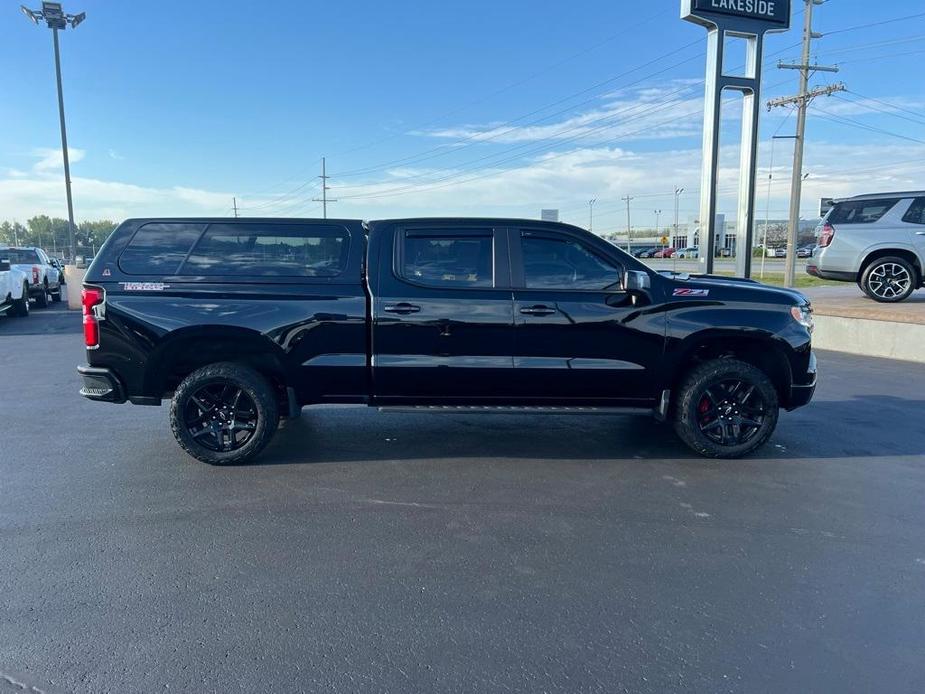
(826, 235)
(90, 297)
(35, 274)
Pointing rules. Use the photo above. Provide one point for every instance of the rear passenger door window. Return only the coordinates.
(270, 250)
(457, 259)
(159, 248)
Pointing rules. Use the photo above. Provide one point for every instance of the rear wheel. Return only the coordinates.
(21, 305)
(41, 300)
(224, 414)
(726, 408)
(889, 279)
(56, 295)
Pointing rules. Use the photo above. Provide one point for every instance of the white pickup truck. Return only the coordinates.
(44, 278)
(14, 288)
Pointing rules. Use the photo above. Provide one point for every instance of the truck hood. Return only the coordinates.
(739, 284)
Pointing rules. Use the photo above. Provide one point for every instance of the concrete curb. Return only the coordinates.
(870, 338)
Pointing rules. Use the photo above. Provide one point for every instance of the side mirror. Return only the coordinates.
(4, 264)
(636, 281)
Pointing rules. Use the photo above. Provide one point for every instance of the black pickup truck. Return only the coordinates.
(241, 321)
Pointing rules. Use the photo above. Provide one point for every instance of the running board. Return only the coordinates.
(514, 409)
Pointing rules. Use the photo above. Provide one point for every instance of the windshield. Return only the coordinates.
(21, 256)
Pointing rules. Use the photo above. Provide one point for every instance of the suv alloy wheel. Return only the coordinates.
(224, 413)
(889, 279)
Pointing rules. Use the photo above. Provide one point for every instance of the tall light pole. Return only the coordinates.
(626, 199)
(591, 213)
(677, 194)
(657, 214)
(53, 15)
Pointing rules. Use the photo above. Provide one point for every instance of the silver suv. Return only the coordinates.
(875, 240)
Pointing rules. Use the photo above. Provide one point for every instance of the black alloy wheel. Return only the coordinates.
(725, 408)
(731, 412)
(221, 417)
(224, 413)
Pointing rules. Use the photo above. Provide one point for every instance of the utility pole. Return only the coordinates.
(53, 15)
(657, 213)
(626, 199)
(235, 205)
(324, 190)
(591, 213)
(801, 100)
(677, 194)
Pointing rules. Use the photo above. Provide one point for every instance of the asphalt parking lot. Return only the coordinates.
(422, 552)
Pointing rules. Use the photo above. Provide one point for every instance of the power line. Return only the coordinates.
(850, 121)
(509, 86)
(881, 110)
(870, 58)
(885, 103)
(481, 137)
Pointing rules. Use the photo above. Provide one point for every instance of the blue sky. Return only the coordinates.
(431, 108)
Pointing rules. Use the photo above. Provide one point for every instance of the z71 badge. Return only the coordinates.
(690, 291)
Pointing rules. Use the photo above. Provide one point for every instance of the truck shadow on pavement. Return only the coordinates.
(870, 426)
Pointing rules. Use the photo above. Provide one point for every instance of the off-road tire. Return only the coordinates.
(868, 275)
(693, 388)
(253, 384)
(21, 305)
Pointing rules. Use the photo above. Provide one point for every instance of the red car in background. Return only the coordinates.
(665, 253)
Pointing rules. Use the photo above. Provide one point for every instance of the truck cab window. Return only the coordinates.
(553, 263)
(269, 250)
(159, 248)
(447, 260)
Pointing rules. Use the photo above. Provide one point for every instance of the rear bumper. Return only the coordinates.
(836, 275)
(100, 384)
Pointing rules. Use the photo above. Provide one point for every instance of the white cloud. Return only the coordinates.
(21, 198)
(50, 160)
(564, 179)
(673, 110)
(113, 154)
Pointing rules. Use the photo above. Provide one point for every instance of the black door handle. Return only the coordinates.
(401, 308)
(538, 310)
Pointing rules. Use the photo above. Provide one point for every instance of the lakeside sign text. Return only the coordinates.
(771, 11)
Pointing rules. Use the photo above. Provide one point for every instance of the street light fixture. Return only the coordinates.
(591, 213)
(54, 16)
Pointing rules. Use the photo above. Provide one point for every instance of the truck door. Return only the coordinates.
(442, 314)
(578, 334)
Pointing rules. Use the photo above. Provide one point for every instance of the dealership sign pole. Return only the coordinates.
(748, 20)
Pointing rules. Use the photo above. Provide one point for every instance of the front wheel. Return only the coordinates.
(889, 279)
(726, 408)
(224, 414)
